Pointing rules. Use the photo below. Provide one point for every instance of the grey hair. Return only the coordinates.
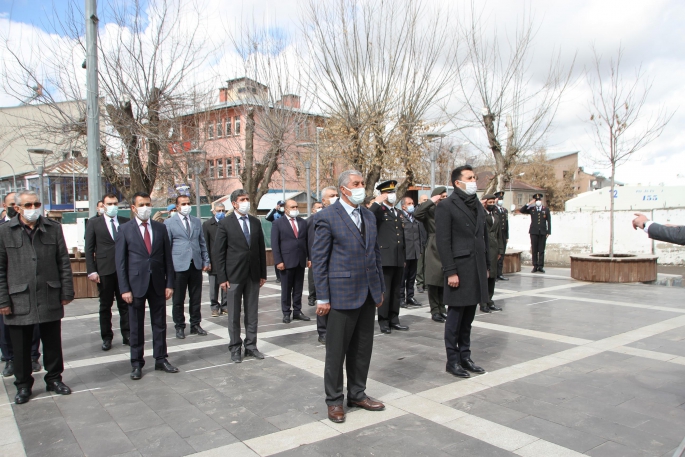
(220, 204)
(18, 195)
(237, 193)
(329, 189)
(345, 177)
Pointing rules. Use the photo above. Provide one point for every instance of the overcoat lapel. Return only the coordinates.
(465, 209)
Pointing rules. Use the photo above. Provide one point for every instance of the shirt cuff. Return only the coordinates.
(322, 302)
(93, 273)
(647, 224)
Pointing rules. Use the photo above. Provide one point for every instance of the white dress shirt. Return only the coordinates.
(238, 215)
(109, 224)
(647, 224)
(142, 229)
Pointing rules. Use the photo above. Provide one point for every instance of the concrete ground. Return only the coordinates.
(572, 369)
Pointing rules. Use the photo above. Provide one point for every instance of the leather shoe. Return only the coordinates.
(437, 318)
(35, 366)
(412, 301)
(237, 356)
(541, 270)
(484, 309)
(58, 387)
(126, 342)
(444, 315)
(197, 330)
(535, 269)
(470, 366)
(9, 369)
(502, 278)
(254, 353)
(301, 317)
(386, 330)
(403, 304)
(286, 319)
(23, 395)
(216, 313)
(224, 312)
(311, 303)
(180, 334)
(322, 339)
(457, 370)
(106, 345)
(136, 373)
(336, 413)
(399, 327)
(492, 307)
(166, 367)
(368, 404)
(278, 280)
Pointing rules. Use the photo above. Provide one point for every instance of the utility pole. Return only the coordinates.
(92, 109)
(308, 168)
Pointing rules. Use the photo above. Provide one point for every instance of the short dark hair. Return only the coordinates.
(139, 194)
(404, 200)
(181, 196)
(100, 201)
(110, 195)
(237, 193)
(457, 172)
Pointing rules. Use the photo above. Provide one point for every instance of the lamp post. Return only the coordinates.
(318, 189)
(14, 175)
(432, 136)
(41, 170)
(283, 173)
(308, 167)
(198, 156)
(92, 109)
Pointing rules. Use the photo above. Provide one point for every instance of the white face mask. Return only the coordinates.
(332, 200)
(500, 202)
(358, 195)
(185, 210)
(410, 209)
(281, 209)
(471, 187)
(243, 207)
(392, 198)
(316, 210)
(143, 212)
(32, 215)
(294, 213)
(112, 210)
(538, 203)
(101, 211)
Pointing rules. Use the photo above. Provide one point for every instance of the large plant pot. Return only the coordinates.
(619, 268)
(512, 262)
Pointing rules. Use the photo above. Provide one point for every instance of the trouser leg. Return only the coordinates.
(136, 319)
(452, 330)
(435, 298)
(358, 356)
(339, 332)
(500, 262)
(384, 310)
(464, 335)
(157, 306)
(297, 278)
(491, 289)
(234, 297)
(409, 277)
(321, 323)
(21, 336)
(420, 270)
(195, 295)
(214, 293)
(53, 361)
(251, 309)
(179, 298)
(287, 283)
(5, 341)
(312, 288)
(106, 291)
(35, 343)
(534, 249)
(122, 306)
(542, 244)
(278, 273)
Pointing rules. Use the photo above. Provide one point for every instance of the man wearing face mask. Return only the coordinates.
(101, 235)
(290, 249)
(540, 230)
(189, 251)
(145, 270)
(415, 239)
(391, 242)
(495, 248)
(504, 224)
(460, 234)
(241, 270)
(272, 216)
(209, 228)
(101, 208)
(35, 285)
(421, 267)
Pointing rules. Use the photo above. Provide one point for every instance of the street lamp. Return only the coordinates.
(432, 136)
(318, 189)
(198, 156)
(41, 170)
(14, 175)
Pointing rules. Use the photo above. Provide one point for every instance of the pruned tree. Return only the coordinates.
(619, 121)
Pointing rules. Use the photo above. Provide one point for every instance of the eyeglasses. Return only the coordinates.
(31, 205)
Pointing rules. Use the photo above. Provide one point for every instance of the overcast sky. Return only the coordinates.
(651, 33)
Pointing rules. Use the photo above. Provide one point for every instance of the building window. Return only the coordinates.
(228, 126)
(297, 131)
(220, 128)
(237, 166)
(229, 167)
(219, 168)
(210, 169)
(520, 199)
(237, 125)
(210, 131)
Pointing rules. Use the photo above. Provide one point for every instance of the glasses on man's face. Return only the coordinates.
(31, 205)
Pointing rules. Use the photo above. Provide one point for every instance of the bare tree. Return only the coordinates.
(502, 98)
(618, 121)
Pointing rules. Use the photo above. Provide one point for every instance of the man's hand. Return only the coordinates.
(65, 302)
(309, 263)
(435, 199)
(207, 268)
(639, 221)
(488, 274)
(169, 293)
(547, 236)
(5, 311)
(128, 297)
(262, 281)
(378, 305)
(322, 309)
(225, 286)
(281, 266)
(94, 277)
(381, 198)
(453, 281)
(531, 203)
(499, 256)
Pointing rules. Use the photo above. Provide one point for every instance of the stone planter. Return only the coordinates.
(512, 262)
(620, 268)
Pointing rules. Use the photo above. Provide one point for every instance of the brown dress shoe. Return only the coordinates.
(368, 404)
(336, 413)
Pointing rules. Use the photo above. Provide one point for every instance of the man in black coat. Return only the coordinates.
(272, 216)
(240, 255)
(145, 271)
(415, 240)
(209, 228)
(540, 230)
(460, 234)
(101, 235)
(495, 248)
(391, 241)
(504, 226)
(290, 250)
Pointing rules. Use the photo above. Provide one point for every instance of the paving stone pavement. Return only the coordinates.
(573, 369)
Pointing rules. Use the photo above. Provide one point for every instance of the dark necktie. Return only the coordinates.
(146, 238)
(185, 218)
(246, 232)
(114, 229)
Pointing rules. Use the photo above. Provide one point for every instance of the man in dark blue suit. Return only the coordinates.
(348, 273)
(289, 246)
(145, 271)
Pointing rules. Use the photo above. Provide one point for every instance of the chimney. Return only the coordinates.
(223, 94)
(291, 101)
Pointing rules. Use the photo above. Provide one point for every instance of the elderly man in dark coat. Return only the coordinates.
(460, 234)
(35, 285)
(433, 277)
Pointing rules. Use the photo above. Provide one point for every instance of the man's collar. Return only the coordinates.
(141, 222)
(349, 208)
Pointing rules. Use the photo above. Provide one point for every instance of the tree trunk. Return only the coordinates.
(153, 150)
(611, 210)
(496, 148)
(111, 175)
(246, 175)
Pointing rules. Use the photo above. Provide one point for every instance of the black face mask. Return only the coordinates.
(11, 212)
(491, 208)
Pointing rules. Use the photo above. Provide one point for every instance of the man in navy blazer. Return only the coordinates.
(348, 273)
(290, 249)
(146, 273)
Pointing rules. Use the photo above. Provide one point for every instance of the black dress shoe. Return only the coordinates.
(386, 330)
(106, 345)
(35, 366)
(470, 366)
(278, 280)
(541, 270)
(502, 278)
(166, 367)
(254, 353)
(58, 387)
(197, 330)
(126, 342)
(286, 319)
(492, 307)
(237, 356)
(322, 339)
(9, 369)
(23, 395)
(457, 370)
(444, 315)
(403, 304)
(301, 317)
(311, 303)
(438, 318)
(535, 269)
(180, 334)
(412, 301)
(136, 373)
(399, 327)
(484, 309)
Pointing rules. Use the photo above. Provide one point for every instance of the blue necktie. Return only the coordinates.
(246, 232)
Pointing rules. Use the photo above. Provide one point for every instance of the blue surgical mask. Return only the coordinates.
(220, 216)
(111, 210)
(410, 209)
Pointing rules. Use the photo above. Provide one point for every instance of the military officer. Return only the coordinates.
(540, 230)
(391, 242)
(504, 225)
(415, 239)
(495, 247)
